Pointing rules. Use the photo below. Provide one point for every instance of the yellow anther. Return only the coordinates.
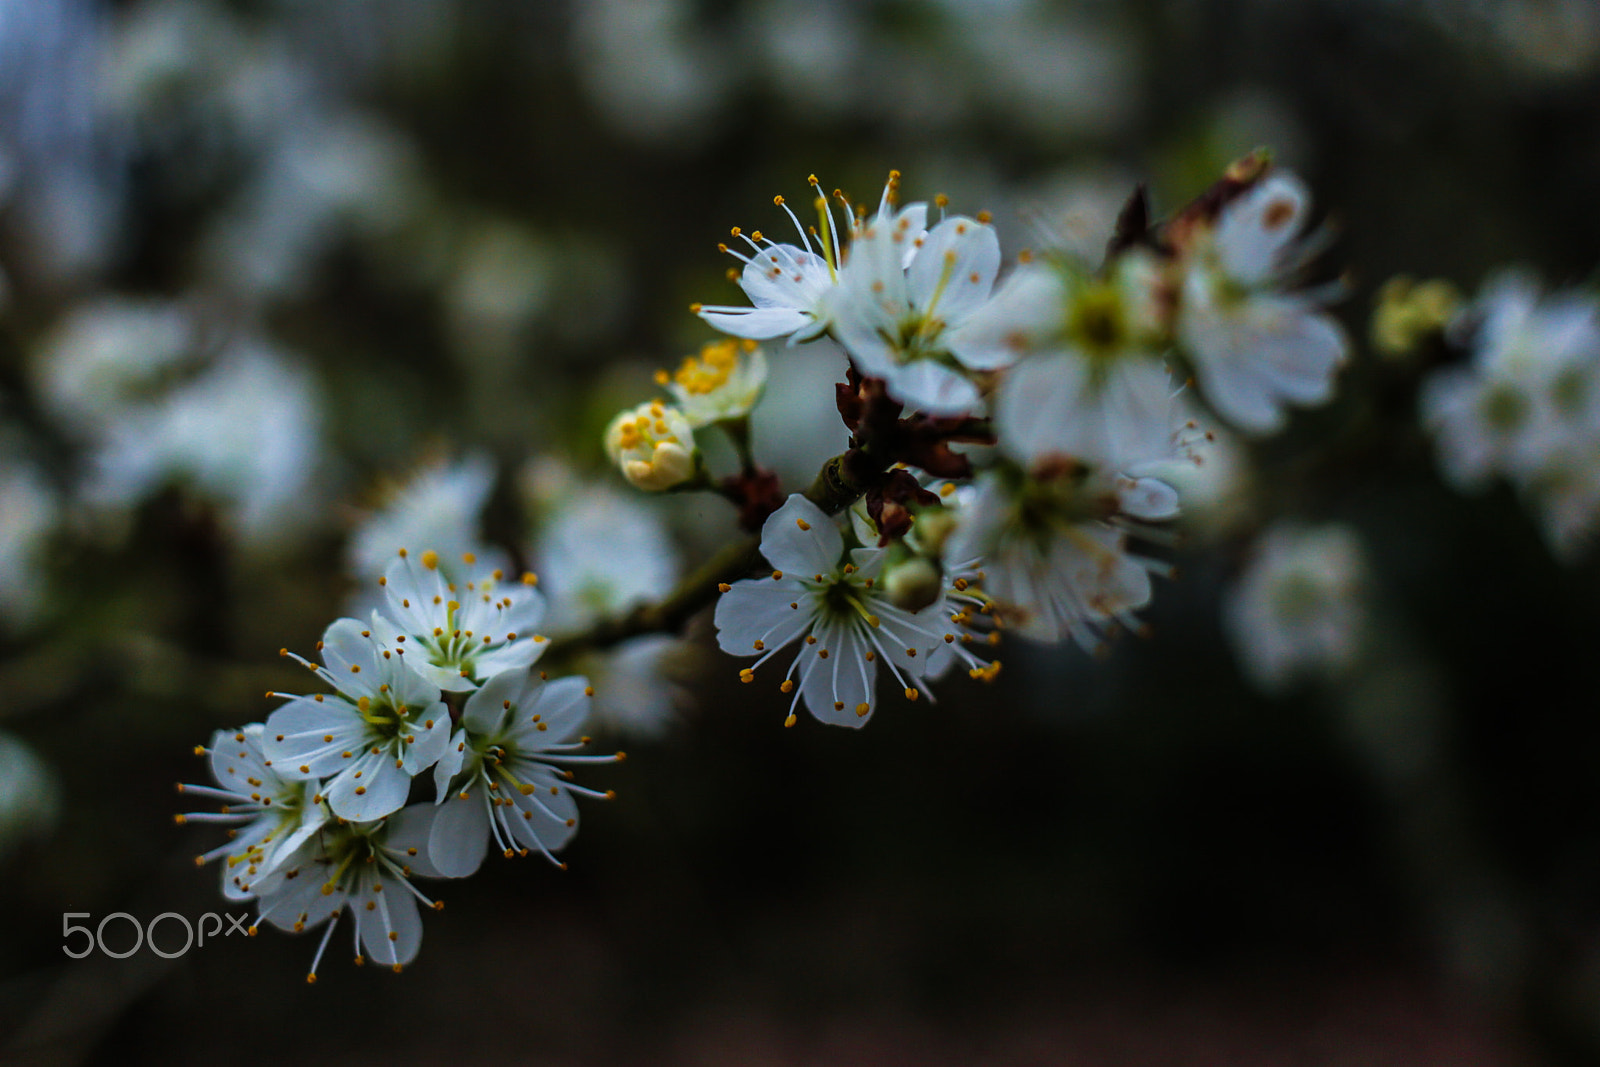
(803, 524)
(862, 709)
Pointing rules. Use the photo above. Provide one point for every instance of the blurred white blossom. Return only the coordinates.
(1299, 609)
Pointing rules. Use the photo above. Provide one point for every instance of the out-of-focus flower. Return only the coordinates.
(602, 553)
(1298, 610)
(245, 433)
(1256, 348)
(29, 512)
(1054, 549)
(1092, 384)
(829, 600)
(30, 796)
(439, 504)
(1527, 407)
(654, 75)
(107, 355)
(723, 382)
(653, 446)
(344, 174)
(1408, 312)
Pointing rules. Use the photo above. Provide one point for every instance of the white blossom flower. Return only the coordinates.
(1297, 609)
(653, 445)
(458, 634)
(829, 601)
(604, 553)
(271, 815)
(1527, 407)
(1532, 387)
(723, 382)
(367, 867)
(892, 313)
(1054, 550)
(246, 433)
(439, 504)
(1092, 383)
(103, 356)
(505, 777)
(385, 724)
(1255, 348)
(791, 288)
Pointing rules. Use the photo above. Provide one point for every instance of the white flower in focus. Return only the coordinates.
(1054, 550)
(440, 505)
(791, 288)
(271, 816)
(505, 776)
(1256, 349)
(901, 292)
(1297, 609)
(830, 602)
(723, 382)
(384, 725)
(364, 866)
(458, 634)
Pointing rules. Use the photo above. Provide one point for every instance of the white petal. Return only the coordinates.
(383, 788)
(955, 269)
(459, 839)
(757, 324)
(486, 710)
(1255, 229)
(812, 548)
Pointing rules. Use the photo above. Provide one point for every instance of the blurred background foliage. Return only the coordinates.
(264, 258)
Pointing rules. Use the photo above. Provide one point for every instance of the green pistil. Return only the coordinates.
(1097, 322)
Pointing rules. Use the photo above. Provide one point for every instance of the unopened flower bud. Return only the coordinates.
(653, 446)
(913, 583)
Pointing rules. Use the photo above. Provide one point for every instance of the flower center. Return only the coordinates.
(1097, 322)
(711, 371)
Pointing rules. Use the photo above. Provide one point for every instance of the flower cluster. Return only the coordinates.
(1010, 438)
(1042, 400)
(1526, 405)
(437, 685)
